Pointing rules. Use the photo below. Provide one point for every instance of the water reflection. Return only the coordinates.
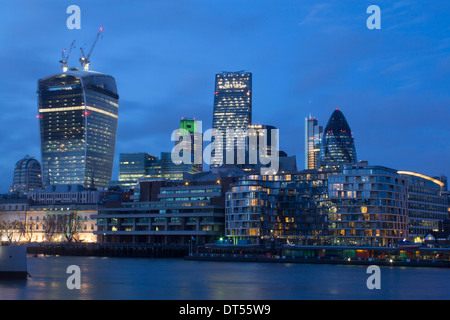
(176, 279)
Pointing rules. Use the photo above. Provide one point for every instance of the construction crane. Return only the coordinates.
(65, 57)
(84, 60)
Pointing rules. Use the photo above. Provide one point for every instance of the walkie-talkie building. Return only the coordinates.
(232, 110)
(337, 147)
(78, 114)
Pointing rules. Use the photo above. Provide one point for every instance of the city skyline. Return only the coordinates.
(402, 95)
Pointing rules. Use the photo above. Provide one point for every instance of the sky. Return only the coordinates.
(306, 57)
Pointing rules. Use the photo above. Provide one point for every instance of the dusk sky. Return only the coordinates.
(392, 84)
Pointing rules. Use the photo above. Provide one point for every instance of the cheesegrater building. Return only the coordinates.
(78, 114)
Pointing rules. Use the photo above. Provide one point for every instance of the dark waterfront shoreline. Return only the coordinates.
(305, 254)
(263, 259)
(102, 250)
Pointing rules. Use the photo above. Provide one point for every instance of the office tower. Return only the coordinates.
(27, 175)
(171, 170)
(259, 146)
(337, 147)
(264, 138)
(233, 111)
(192, 140)
(133, 166)
(313, 136)
(78, 113)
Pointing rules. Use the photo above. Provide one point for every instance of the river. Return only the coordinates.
(177, 279)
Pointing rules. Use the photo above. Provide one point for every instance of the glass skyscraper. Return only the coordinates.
(337, 147)
(133, 166)
(232, 110)
(78, 114)
(259, 146)
(313, 136)
(27, 175)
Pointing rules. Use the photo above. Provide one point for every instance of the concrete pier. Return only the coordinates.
(13, 262)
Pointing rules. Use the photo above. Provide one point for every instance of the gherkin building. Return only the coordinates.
(337, 147)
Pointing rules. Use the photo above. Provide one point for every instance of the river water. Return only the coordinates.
(177, 279)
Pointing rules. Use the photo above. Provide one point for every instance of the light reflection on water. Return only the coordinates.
(176, 279)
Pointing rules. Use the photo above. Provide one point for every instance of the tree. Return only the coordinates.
(9, 228)
(2, 229)
(29, 229)
(22, 229)
(70, 225)
(50, 226)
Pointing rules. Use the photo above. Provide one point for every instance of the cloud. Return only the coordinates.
(316, 15)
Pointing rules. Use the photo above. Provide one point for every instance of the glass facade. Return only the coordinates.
(313, 137)
(177, 213)
(259, 146)
(133, 166)
(358, 205)
(244, 210)
(427, 206)
(368, 206)
(78, 113)
(287, 208)
(27, 175)
(337, 147)
(175, 171)
(232, 110)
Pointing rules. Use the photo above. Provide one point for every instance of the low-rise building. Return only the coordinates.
(168, 212)
(57, 214)
(289, 207)
(427, 204)
(368, 206)
(358, 205)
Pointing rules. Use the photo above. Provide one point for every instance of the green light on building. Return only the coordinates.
(189, 125)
